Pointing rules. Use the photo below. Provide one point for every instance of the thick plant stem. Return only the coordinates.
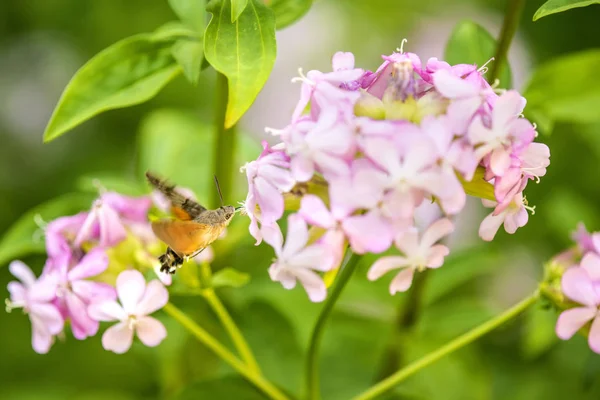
(232, 329)
(312, 369)
(448, 348)
(224, 142)
(407, 317)
(216, 347)
(509, 28)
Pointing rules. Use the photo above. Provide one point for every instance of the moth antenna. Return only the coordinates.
(219, 190)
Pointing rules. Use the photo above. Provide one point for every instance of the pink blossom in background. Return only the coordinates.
(379, 144)
(35, 297)
(137, 301)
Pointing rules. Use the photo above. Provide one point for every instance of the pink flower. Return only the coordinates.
(297, 262)
(130, 209)
(35, 297)
(512, 213)
(103, 224)
(138, 300)
(61, 234)
(75, 293)
(579, 286)
(268, 178)
(508, 132)
(587, 241)
(418, 255)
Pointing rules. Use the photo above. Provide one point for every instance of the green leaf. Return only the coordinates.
(20, 239)
(243, 51)
(289, 11)
(557, 6)
(129, 72)
(189, 54)
(228, 387)
(191, 12)
(237, 7)
(567, 88)
(229, 277)
(470, 43)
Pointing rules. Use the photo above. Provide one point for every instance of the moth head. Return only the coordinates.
(227, 212)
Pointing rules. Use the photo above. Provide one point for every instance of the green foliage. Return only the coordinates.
(289, 11)
(20, 239)
(243, 51)
(539, 333)
(228, 387)
(229, 277)
(190, 12)
(566, 89)
(129, 72)
(558, 6)
(237, 7)
(470, 43)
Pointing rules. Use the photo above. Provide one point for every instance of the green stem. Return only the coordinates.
(225, 141)
(448, 348)
(213, 344)
(312, 368)
(406, 319)
(509, 28)
(234, 332)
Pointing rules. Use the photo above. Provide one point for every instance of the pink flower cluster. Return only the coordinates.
(70, 288)
(378, 145)
(580, 284)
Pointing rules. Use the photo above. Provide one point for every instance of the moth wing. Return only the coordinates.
(182, 207)
(184, 237)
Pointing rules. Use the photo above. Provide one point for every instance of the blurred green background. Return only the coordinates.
(43, 42)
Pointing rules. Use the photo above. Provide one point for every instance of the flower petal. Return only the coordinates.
(49, 316)
(130, 289)
(93, 263)
(269, 199)
(79, 316)
(41, 339)
(155, 297)
(92, 291)
(297, 236)
(490, 225)
(436, 231)
(385, 264)
(402, 281)
(570, 321)
(22, 272)
(150, 331)
(314, 211)
(594, 335)
(107, 311)
(118, 338)
(591, 263)
(577, 286)
(313, 284)
(368, 233)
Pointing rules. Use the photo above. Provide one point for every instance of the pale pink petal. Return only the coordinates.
(112, 230)
(402, 281)
(408, 241)
(305, 94)
(302, 167)
(507, 107)
(150, 331)
(269, 200)
(451, 86)
(297, 235)
(478, 133)
(500, 161)
(118, 338)
(591, 263)
(385, 264)
(314, 211)
(331, 165)
(78, 313)
(93, 291)
(570, 321)
(315, 256)
(368, 233)
(436, 231)
(45, 288)
(312, 283)
(490, 225)
(22, 272)
(516, 220)
(18, 293)
(107, 311)
(130, 289)
(131, 208)
(49, 316)
(460, 113)
(278, 273)
(41, 339)
(93, 263)
(594, 335)
(155, 297)
(577, 286)
(277, 176)
(271, 233)
(435, 256)
(342, 61)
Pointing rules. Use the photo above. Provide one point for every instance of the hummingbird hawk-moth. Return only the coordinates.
(193, 228)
